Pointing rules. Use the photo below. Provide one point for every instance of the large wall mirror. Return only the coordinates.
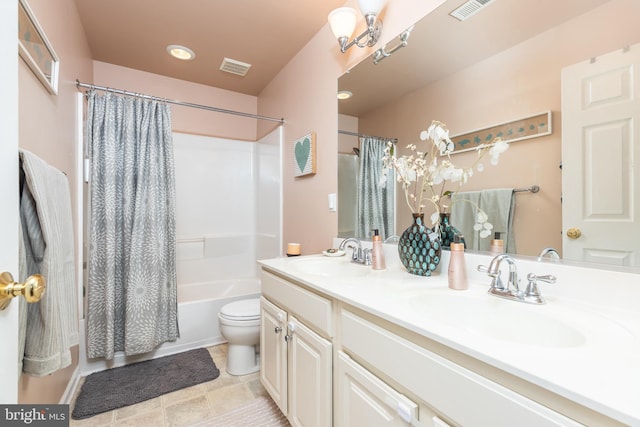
(501, 64)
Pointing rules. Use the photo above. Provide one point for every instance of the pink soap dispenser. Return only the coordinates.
(457, 273)
(377, 253)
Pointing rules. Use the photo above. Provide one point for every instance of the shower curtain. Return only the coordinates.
(132, 289)
(375, 203)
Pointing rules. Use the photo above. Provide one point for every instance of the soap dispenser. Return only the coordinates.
(497, 245)
(457, 273)
(377, 252)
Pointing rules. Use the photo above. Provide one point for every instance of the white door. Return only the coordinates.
(9, 194)
(310, 377)
(600, 155)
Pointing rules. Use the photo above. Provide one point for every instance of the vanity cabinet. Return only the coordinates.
(329, 361)
(296, 351)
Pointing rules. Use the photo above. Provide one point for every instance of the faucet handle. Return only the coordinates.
(532, 293)
(482, 268)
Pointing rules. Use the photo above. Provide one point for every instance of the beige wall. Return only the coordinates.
(304, 93)
(47, 128)
(187, 119)
(520, 82)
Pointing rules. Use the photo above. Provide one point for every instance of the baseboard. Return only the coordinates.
(72, 385)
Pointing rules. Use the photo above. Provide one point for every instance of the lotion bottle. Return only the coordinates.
(497, 245)
(377, 253)
(457, 272)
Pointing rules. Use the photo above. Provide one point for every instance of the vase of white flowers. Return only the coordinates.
(428, 179)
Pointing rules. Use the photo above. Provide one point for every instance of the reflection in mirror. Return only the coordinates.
(502, 64)
(368, 205)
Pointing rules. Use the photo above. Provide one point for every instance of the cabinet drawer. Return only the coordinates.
(312, 308)
(462, 395)
(364, 399)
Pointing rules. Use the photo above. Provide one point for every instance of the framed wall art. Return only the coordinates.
(304, 155)
(515, 130)
(35, 49)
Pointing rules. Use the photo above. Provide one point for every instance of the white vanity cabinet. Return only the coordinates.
(296, 351)
(329, 359)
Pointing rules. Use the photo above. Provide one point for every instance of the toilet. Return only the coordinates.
(240, 326)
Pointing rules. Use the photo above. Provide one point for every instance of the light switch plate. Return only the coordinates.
(332, 202)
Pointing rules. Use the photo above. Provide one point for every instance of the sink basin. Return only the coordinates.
(500, 319)
(330, 267)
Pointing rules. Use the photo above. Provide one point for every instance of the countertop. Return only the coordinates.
(583, 344)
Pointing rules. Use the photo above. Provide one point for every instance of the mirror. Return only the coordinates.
(501, 64)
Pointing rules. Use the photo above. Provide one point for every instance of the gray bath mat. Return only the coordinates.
(114, 388)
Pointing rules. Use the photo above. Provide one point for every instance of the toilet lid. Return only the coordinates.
(247, 309)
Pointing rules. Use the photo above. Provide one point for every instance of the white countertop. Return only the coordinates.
(583, 344)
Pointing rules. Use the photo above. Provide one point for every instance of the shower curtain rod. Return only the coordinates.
(172, 101)
(346, 132)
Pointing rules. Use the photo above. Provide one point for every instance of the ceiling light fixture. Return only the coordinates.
(343, 23)
(181, 52)
(344, 94)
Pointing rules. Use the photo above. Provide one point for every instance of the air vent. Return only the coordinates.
(235, 67)
(469, 9)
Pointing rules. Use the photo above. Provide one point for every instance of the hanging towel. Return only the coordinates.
(498, 204)
(463, 216)
(51, 326)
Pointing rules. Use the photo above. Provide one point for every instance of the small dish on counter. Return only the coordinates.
(333, 252)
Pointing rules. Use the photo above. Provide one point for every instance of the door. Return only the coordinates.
(9, 194)
(600, 155)
(273, 352)
(310, 375)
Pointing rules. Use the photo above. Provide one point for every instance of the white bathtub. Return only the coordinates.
(198, 308)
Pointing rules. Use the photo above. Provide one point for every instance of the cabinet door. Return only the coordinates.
(273, 352)
(309, 377)
(363, 399)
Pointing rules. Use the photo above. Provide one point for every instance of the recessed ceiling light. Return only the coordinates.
(181, 52)
(344, 94)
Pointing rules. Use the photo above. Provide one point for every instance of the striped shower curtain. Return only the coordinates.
(131, 291)
(375, 209)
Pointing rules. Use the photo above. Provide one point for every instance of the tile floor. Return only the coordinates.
(187, 406)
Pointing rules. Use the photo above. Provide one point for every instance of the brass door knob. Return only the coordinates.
(32, 289)
(574, 233)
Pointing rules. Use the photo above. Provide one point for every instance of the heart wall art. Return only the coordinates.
(304, 155)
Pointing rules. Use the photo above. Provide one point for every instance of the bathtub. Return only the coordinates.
(198, 308)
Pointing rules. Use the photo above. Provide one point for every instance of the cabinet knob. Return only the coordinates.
(278, 329)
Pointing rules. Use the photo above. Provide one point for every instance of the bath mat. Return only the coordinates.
(261, 412)
(114, 388)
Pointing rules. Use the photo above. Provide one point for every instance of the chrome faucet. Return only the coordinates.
(512, 291)
(494, 272)
(359, 255)
(552, 252)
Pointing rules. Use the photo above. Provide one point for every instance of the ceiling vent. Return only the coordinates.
(235, 67)
(469, 9)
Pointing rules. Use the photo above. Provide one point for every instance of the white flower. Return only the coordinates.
(424, 175)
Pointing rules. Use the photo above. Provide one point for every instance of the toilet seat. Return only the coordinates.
(243, 310)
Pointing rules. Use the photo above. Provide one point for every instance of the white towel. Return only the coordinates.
(51, 326)
(498, 204)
